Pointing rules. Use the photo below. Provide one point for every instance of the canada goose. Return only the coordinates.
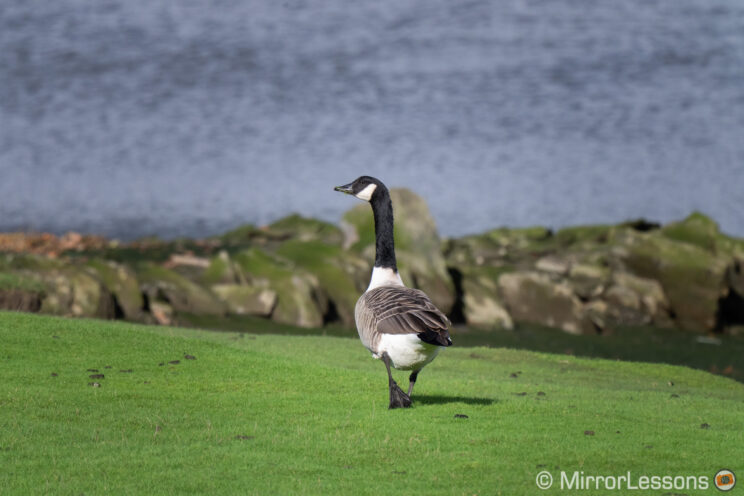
(397, 324)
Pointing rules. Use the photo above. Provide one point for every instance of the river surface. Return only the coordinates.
(190, 117)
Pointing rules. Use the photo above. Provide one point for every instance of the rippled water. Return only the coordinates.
(189, 117)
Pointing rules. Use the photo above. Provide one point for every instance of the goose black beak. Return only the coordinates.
(346, 188)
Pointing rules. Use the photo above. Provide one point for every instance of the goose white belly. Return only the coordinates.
(406, 351)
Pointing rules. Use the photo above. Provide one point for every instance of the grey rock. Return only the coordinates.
(532, 297)
(246, 300)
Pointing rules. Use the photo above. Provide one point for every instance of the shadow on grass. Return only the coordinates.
(438, 399)
(723, 354)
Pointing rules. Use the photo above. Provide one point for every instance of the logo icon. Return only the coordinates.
(544, 480)
(725, 480)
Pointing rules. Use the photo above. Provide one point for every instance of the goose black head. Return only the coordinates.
(363, 187)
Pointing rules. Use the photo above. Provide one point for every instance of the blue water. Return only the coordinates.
(189, 117)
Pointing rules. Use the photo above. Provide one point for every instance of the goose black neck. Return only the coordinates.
(382, 209)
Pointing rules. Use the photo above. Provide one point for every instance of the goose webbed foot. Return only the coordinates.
(398, 399)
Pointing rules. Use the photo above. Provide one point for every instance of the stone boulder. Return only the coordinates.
(250, 235)
(67, 288)
(588, 280)
(17, 300)
(554, 264)
(417, 245)
(634, 300)
(73, 291)
(693, 278)
(191, 266)
(299, 299)
(246, 300)
(481, 304)
(58, 294)
(122, 283)
(495, 248)
(697, 229)
(339, 273)
(20, 292)
(300, 228)
(182, 295)
(533, 297)
(292, 227)
(223, 270)
(90, 298)
(579, 237)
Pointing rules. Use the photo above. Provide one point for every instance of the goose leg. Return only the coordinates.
(398, 399)
(412, 381)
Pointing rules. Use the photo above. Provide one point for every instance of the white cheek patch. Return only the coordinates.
(366, 193)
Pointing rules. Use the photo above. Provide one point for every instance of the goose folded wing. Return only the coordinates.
(401, 310)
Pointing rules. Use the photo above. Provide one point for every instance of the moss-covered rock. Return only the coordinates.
(700, 230)
(63, 287)
(532, 297)
(588, 280)
(30, 263)
(624, 306)
(190, 266)
(20, 280)
(76, 291)
(636, 300)
(246, 300)
(301, 228)
(122, 283)
(473, 251)
(417, 244)
(292, 227)
(244, 235)
(20, 292)
(595, 316)
(58, 294)
(693, 278)
(496, 247)
(184, 296)
(337, 272)
(554, 264)
(308, 272)
(223, 270)
(300, 300)
(481, 304)
(526, 247)
(90, 298)
(583, 235)
(17, 300)
(697, 229)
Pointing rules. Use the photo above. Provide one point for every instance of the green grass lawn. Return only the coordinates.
(269, 414)
(722, 355)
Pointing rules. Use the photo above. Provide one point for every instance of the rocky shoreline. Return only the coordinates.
(305, 272)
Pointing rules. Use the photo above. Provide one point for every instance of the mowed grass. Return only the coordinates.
(267, 414)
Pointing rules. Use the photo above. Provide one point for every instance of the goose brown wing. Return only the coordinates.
(402, 310)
